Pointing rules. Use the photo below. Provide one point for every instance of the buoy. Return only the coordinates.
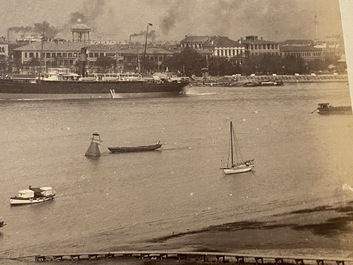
(93, 149)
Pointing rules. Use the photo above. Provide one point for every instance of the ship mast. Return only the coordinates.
(231, 143)
(41, 54)
(145, 48)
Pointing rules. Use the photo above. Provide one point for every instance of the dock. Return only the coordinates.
(211, 257)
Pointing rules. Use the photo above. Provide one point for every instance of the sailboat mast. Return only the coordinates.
(231, 143)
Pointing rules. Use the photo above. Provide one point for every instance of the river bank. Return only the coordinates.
(323, 232)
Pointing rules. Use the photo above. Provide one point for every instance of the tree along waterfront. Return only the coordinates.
(190, 62)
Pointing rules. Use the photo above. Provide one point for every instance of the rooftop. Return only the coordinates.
(288, 48)
(255, 40)
(298, 42)
(195, 39)
(52, 46)
(76, 46)
(80, 26)
(220, 41)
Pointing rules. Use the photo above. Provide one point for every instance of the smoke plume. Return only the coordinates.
(174, 14)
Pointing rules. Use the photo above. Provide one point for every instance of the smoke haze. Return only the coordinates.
(172, 19)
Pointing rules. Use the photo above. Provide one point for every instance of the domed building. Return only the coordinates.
(81, 33)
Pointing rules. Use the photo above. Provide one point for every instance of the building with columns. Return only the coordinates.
(81, 33)
(67, 54)
(304, 49)
(215, 46)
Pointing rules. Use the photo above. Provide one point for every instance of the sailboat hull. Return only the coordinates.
(238, 169)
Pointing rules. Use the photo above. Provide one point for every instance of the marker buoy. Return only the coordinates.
(93, 149)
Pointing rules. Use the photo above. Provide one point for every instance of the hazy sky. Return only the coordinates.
(173, 19)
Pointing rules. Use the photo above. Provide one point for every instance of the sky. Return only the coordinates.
(275, 20)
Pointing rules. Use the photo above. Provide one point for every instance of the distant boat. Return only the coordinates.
(275, 82)
(236, 163)
(326, 108)
(33, 195)
(141, 148)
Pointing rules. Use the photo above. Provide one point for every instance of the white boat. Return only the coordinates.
(33, 195)
(236, 163)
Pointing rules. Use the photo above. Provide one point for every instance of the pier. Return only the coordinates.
(212, 257)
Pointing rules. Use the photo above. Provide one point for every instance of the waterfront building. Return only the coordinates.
(50, 54)
(66, 54)
(215, 46)
(255, 46)
(195, 42)
(132, 57)
(226, 48)
(331, 45)
(308, 52)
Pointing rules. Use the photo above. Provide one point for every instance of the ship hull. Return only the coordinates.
(10, 89)
(134, 149)
(344, 110)
(20, 201)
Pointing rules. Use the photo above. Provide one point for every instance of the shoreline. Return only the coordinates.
(241, 80)
(323, 231)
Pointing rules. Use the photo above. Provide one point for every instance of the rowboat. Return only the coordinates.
(141, 148)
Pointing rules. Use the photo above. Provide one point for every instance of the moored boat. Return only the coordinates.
(32, 196)
(326, 109)
(275, 82)
(141, 148)
(236, 164)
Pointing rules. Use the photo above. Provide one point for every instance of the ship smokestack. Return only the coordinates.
(83, 62)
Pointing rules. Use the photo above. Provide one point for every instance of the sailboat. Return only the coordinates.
(234, 166)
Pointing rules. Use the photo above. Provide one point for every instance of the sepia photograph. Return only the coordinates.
(176, 132)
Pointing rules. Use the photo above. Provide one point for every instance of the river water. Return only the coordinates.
(119, 200)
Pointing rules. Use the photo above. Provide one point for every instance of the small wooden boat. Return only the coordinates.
(141, 148)
(236, 163)
(33, 195)
(326, 109)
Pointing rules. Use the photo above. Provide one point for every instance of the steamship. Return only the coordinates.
(61, 83)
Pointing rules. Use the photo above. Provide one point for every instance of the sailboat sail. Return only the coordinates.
(236, 163)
